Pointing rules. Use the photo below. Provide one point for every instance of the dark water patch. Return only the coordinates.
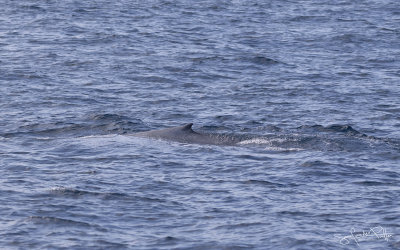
(373, 183)
(32, 7)
(322, 171)
(309, 19)
(261, 60)
(262, 183)
(106, 244)
(242, 225)
(167, 241)
(308, 164)
(197, 244)
(151, 79)
(51, 130)
(76, 243)
(111, 118)
(95, 125)
(344, 129)
(119, 122)
(294, 213)
(352, 39)
(388, 108)
(268, 128)
(254, 157)
(83, 194)
(56, 221)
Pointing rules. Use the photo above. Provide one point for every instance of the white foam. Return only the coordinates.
(255, 141)
(269, 144)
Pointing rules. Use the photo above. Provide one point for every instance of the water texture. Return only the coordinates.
(312, 87)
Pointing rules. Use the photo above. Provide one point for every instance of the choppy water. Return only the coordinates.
(315, 83)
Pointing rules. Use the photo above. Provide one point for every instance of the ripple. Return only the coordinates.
(46, 220)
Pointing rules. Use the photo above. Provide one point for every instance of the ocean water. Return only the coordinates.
(314, 86)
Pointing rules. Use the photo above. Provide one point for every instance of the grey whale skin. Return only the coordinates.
(185, 134)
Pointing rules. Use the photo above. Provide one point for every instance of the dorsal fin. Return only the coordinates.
(187, 127)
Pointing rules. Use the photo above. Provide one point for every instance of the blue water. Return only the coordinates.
(316, 84)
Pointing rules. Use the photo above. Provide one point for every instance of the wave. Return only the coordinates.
(344, 129)
(79, 193)
(99, 124)
(58, 221)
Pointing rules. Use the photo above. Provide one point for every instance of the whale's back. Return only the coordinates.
(185, 134)
(174, 133)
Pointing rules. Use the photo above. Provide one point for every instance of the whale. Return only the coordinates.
(185, 134)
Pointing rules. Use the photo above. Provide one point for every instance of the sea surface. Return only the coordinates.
(315, 84)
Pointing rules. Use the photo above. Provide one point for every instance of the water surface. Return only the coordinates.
(315, 84)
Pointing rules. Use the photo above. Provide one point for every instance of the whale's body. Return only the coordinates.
(185, 134)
